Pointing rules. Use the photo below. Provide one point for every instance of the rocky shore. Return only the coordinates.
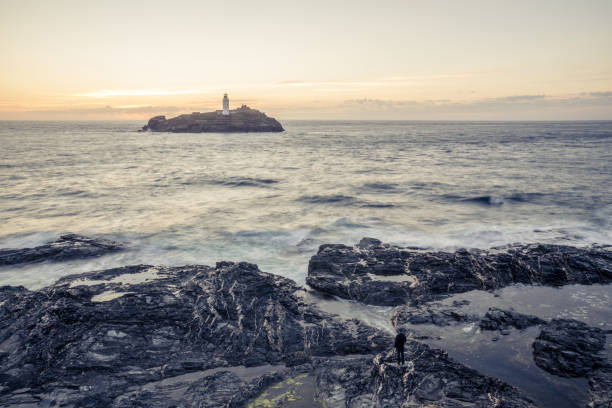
(232, 335)
(67, 247)
(240, 120)
(380, 274)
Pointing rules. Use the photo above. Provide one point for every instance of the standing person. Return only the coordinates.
(400, 340)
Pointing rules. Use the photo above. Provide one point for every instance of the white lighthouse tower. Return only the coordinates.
(225, 104)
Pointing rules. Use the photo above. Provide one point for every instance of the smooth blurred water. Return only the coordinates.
(271, 199)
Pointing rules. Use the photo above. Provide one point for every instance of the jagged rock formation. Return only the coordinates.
(240, 120)
(229, 336)
(99, 333)
(148, 336)
(67, 247)
(214, 388)
(429, 378)
(379, 274)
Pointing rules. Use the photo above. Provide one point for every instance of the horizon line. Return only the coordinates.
(334, 120)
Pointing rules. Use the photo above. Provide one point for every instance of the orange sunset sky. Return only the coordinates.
(482, 60)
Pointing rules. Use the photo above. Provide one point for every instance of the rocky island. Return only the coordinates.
(234, 336)
(243, 119)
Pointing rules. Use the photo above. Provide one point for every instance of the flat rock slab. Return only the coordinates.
(569, 348)
(498, 319)
(381, 274)
(435, 314)
(66, 248)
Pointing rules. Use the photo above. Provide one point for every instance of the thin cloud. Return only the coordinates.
(103, 112)
(518, 98)
(382, 81)
(383, 103)
(137, 92)
(601, 94)
(586, 105)
(412, 78)
(600, 98)
(299, 83)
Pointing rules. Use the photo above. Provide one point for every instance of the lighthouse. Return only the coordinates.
(225, 104)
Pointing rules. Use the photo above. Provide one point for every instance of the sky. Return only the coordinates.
(379, 60)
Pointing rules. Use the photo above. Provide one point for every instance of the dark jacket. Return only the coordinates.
(400, 340)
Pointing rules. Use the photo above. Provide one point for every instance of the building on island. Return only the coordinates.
(226, 110)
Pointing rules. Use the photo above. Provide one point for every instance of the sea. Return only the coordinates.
(273, 198)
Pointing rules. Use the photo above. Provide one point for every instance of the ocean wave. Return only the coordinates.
(339, 199)
(380, 187)
(525, 197)
(286, 251)
(376, 205)
(328, 199)
(237, 182)
(496, 200)
(486, 200)
(427, 186)
(348, 223)
(11, 209)
(69, 192)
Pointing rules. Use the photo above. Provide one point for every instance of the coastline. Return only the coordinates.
(225, 336)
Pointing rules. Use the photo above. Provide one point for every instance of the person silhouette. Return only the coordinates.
(400, 340)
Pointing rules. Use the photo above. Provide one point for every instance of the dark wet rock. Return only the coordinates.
(66, 248)
(243, 119)
(380, 274)
(460, 303)
(367, 243)
(91, 338)
(600, 384)
(295, 389)
(438, 314)
(435, 313)
(498, 319)
(197, 336)
(569, 348)
(251, 390)
(429, 377)
(6, 291)
(224, 389)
